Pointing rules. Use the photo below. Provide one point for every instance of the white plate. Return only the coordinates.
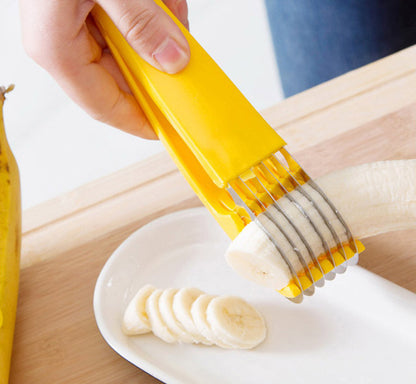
(359, 328)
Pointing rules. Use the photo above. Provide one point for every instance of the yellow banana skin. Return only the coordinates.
(10, 237)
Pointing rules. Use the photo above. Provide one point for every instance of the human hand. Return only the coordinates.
(62, 38)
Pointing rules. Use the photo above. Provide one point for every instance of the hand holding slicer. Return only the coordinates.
(235, 162)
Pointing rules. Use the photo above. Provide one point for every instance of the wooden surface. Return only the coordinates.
(366, 115)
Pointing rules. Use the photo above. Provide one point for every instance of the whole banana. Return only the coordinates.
(10, 237)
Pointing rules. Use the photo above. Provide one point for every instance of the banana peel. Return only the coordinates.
(10, 240)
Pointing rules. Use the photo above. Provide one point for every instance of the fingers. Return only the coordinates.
(151, 32)
(97, 86)
(60, 37)
(180, 9)
(56, 36)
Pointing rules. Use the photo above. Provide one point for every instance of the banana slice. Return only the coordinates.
(372, 198)
(135, 319)
(168, 316)
(255, 257)
(235, 322)
(157, 323)
(182, 303)
(199, 316)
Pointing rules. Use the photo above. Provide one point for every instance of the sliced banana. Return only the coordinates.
(182, 303)
(157, 323)
(135, 319)
(198, 313)
(255, 257)
(372, 198)
(235, 322)
(173, 324)
(199, 316)
(291, 232)
(304, 216)
(189, 315)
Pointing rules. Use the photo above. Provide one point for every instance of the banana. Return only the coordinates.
(135, 319)
(10, 237)
(173, 324)
(372, 198)
(253, 256)
(159, 327)
(229, 323)
(182, 303)
(375, 198)
(199, 316)
(235, 322)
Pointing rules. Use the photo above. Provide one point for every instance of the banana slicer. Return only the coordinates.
(234, 161)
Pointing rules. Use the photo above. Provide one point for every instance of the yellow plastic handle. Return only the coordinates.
(218, 124)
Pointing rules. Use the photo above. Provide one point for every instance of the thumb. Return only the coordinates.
(150, 32)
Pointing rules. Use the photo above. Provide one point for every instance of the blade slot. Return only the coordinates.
(289, 240)
(315, 186)
(340, 246)
(328, 276)
(271, 238)
(311, 253)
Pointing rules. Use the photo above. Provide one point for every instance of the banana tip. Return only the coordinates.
(4, 90)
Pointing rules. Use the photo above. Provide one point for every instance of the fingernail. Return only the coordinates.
(170, 56)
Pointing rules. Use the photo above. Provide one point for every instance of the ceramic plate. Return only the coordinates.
(359, 328)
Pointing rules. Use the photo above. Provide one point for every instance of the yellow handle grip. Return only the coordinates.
(218, 124)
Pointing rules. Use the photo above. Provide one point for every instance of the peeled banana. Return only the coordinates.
(182, 304)
(168, 315)
(10, 235)
(135, 320)
(157, 323)
(235, 323)
(199, 316)
(189, 315)
(372, 198)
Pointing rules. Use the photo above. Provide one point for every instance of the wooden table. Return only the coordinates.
(365, 115)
